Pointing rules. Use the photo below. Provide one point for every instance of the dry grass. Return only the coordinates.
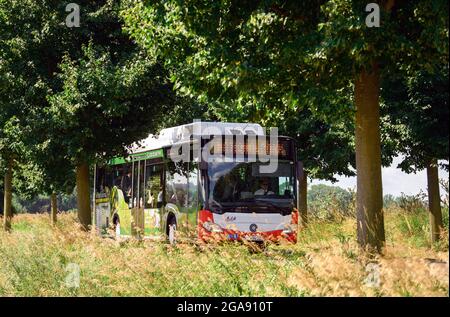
(35, 260)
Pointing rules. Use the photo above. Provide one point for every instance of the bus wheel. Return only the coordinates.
(171, 230)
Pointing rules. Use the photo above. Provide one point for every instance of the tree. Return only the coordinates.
(104, 107)
(26, 64)
(42, 172)
(80, 117)
(417, 104)
(11, 146)
(330, 202)
(230, 53)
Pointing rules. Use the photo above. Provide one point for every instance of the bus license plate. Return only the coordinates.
(254, 238)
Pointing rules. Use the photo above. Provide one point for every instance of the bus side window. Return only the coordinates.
(149, 194)
(177, 184)
(108, 184)
(193, 186)
(123, 180)
(135, 191)
(141, 184)
(153, 188)
(100, 180)
(104, 180)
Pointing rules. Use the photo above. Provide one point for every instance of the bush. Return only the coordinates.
(413, 203)
(41, 203)
(444, 196)
(389, 201)
(37, 258)
(330, 202)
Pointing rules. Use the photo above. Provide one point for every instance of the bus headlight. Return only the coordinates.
(211, 226)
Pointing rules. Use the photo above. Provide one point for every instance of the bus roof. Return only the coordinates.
(180, 133)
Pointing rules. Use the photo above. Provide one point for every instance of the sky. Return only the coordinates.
(395, 181)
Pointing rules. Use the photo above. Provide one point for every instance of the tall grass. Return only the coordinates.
(37, 259)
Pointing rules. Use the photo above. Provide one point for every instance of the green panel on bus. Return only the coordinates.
(147, 155)
(137, 157)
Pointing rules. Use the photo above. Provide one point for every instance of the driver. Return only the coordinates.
(264, 188)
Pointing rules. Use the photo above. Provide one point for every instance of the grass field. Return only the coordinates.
(39, 260)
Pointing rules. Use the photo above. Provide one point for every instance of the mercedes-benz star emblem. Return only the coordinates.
(253, 227)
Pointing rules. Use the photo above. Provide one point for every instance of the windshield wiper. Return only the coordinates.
(221, 207)
(247, 205)
(281, 209)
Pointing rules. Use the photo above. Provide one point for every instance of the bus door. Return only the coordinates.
(182, 195)
(121, 198)
(102, 211)
(153, 197)
(137, 200)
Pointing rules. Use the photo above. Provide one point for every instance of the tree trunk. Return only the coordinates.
(302, 198)
(369, 212)
(2, 198)
(434, 200)
(7, 208)
(83, 195)
(54, 209)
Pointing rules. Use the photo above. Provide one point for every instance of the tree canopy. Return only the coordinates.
(74, 95)
(417, 105)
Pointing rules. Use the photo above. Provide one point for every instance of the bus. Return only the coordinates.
(219, 191)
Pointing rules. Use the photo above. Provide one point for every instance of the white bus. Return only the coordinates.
(223, 195)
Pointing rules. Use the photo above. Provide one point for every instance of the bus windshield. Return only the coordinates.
(241, 187)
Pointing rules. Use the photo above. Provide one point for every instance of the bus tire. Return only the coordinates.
(171, 229)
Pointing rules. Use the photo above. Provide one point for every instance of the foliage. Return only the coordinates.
(445, 195)
(410, 203)
(245, 56)
(330, 202)
(325, 149)
(36, 259)
(103, 106)
(71, 95)
(415, 226)
(41, 203)
(389, 200)
(185, 110)
(417, 109)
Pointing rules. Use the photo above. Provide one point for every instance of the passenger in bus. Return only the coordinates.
(150, 198)
(264, 188)
(125, 185)
(227, 188)
(159, 202)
